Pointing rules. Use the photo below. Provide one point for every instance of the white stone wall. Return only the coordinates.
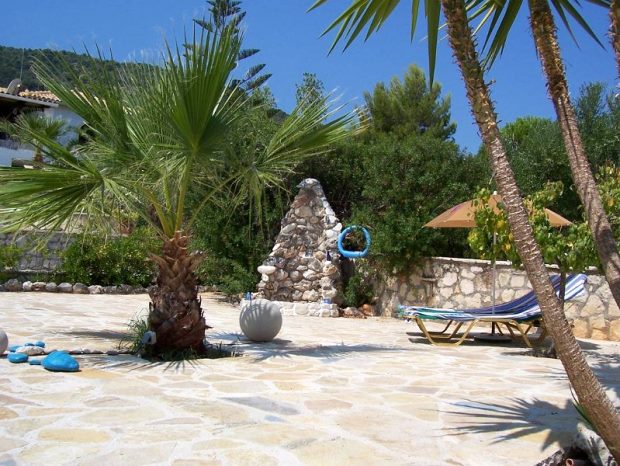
(463, 283)
(315, 309)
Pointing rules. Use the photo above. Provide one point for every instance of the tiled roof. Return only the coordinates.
(43, 96)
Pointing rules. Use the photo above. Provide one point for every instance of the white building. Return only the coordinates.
(14, 101)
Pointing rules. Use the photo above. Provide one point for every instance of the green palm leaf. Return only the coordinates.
(151, 133)
(498, 17)
(372, 15)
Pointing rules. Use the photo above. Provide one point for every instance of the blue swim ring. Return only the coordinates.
(353, 254)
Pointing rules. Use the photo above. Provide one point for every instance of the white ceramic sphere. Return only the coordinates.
(260, 320)
(4, 341)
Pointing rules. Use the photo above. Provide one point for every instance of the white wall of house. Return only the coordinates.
(66, 115)
(8, 151)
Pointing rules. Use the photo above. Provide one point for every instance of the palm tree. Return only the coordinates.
(373, 14)
(154, 133)
(27, 123)
(614, 15)
(502, 15)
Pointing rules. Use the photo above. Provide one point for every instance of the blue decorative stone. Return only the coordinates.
(12, 348)
(16, 358)
(29, 344)
(35, 362)
(40, 344)
(59, 361)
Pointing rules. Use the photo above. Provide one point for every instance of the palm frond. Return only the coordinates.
(498, 18)
(371, 15)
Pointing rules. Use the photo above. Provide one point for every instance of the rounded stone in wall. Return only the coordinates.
(51, 287)
(310, 275)
(13, 285)
(310, 295)
(4, 341)
(467, 286)
(260, 320)
(266, 269)
(38, 286)
(449, 279)
(65, 287)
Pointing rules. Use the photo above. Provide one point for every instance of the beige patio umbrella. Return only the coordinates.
(463, 216)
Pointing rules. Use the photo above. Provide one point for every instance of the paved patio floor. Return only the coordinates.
(327, 391)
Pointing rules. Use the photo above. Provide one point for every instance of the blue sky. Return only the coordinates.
(290, 44)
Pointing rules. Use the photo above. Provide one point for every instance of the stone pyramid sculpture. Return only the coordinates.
(304, 265)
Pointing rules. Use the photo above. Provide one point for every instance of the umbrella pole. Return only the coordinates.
(493, 275)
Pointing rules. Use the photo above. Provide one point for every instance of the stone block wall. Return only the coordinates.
(462, 283)
(45, 259)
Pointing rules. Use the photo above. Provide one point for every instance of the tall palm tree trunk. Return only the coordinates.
(614, 15)
(175, 310)
(544, 30)
(588, 389)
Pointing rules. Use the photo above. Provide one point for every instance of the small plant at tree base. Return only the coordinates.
(134, 343)
(583, 414)
(136, 328)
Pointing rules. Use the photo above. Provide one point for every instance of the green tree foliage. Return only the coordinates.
(407, 182)
(409, 107)
(537, 155)
(310, 89)
(11, 65)
(598, 111)
(229, 14)
(571, 248)
(401, 173)
(608, 181)
(236, 237)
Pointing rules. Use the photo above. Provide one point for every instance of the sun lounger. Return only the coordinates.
(519, 316)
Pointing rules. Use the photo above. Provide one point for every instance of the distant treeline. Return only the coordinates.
(11, 67)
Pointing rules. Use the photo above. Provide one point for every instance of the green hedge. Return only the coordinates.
(97, 260)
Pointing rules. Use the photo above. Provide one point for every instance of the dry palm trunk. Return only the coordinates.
(588, 389)
(175, 310)
(614, 15)
(544, 30)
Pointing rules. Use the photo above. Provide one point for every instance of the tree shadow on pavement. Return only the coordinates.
(519, 418)
(280, 348)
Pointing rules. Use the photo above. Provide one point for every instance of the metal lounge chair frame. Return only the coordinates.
(519, 320)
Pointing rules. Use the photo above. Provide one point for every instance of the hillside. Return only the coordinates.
(11, 64)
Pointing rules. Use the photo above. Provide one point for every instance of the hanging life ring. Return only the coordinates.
(353, 254)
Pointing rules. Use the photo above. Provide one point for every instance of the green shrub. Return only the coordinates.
(358, 290)
(230, 276)
(95, 259)
(9, 256)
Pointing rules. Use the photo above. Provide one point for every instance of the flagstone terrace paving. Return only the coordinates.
(327, 391)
